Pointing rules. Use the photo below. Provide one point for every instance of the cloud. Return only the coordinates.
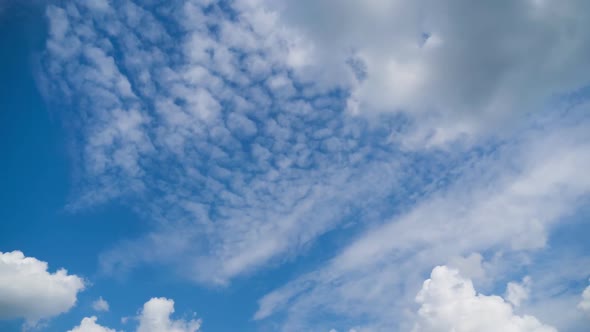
(483, 211)
(100, 305)
(516, 292)
(89, 324)
(552, 273)
(410, 123)
(155, 317)
(446, 64)
(262, 158)
(28, 290)
(504, 203)
(584, 304)
(470, 267)
(256, 158)
(448, 302)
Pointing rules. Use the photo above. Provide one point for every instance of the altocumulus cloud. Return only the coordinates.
(28, 290)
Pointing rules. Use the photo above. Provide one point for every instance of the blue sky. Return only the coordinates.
(257, 165)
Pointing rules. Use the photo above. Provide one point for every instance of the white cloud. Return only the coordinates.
(207, 106)
(551, 295)
(99, 5)
(89, 324)
(482, 211)
(470, 267)
(100, 304)
(254, 179)
(260, 162)
(448, 302)
(517, 292)
(505, 202)
(448, 65)
(28, 290)
(584, 304)
(155, 317)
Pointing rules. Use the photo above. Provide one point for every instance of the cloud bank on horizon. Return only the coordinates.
(445, 141)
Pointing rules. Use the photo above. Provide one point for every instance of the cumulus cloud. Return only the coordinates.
(89, 324)
(28, 290)
(100, 304)
(584, 304)
(448, 302)
(155, 317)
